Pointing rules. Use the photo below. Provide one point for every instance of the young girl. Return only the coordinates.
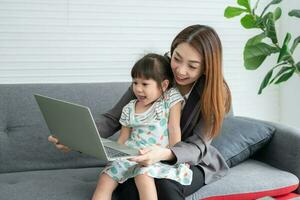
(152, 120)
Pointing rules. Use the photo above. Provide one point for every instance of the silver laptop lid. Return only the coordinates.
(73, 125)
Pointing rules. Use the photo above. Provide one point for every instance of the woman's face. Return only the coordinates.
(186, 65)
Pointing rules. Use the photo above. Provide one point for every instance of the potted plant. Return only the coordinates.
(266, 42)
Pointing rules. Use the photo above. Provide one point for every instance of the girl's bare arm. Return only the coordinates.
(174, 124)
(124, 134)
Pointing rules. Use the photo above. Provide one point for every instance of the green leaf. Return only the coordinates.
(281, 71)
(248, 21)
(245, 3)
(287, 38)
(284, 53)
(259, 22)
(256, 39)
(277, 13)
(275, 1)
(266, 17)
(265, 82)
(298, 66)
(233, 11)
(294, 13)
(285, 76)
(254, 55)
(295, 43)
(270, 27)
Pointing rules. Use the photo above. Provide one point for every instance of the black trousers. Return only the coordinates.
(166, 189)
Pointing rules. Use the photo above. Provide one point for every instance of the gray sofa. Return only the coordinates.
(32, 168)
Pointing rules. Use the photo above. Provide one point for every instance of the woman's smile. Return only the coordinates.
(180, 79)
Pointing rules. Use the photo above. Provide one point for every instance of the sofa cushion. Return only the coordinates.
(245, 181)
(75, 184)
(240, 138)
(22, 154)
(23, 132)
(290, 196)
(249, 180)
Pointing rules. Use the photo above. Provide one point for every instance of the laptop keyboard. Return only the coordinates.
(114, 153)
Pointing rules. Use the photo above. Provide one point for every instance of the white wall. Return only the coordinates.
(44, 41)
(289, 91)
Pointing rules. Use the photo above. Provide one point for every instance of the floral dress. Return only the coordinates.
(149, 129)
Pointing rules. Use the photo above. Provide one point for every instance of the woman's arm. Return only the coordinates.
(174, 124)
(150, 156)
(124, 134)
(193, 148)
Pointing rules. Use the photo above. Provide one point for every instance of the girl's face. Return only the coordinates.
(186, 65)
(146, 90)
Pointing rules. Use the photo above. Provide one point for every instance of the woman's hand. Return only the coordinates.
(59, 146)
(153, 155)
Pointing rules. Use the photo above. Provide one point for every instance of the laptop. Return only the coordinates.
(75, 127)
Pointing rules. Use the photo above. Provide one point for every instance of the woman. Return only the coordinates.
(196, 62)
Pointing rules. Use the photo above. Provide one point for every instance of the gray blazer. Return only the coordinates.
(194, 148)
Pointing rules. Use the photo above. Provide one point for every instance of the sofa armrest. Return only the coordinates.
(283, 151)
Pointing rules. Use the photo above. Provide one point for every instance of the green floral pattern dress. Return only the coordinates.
(149, 129)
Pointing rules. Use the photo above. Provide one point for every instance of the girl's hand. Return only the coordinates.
(59, 146)
(153, 155)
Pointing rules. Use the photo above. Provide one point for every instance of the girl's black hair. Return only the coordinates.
(153, 66)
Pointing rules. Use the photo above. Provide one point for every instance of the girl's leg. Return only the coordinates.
(146, 187)
(169, 189)
(105, 187)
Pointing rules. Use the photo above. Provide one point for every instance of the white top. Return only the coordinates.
(186, 96)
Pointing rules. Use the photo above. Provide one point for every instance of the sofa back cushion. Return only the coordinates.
(23, 132)
(240, 138)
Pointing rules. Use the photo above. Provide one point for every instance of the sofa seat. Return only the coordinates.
(67, 184)
(251, 179)
(79, 184)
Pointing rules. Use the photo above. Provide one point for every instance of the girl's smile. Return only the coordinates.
(141, 98)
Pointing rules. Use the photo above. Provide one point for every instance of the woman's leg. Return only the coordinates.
(169, 189)
(126, 191)
(146, 187)
(166, 189)
(105, 187)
